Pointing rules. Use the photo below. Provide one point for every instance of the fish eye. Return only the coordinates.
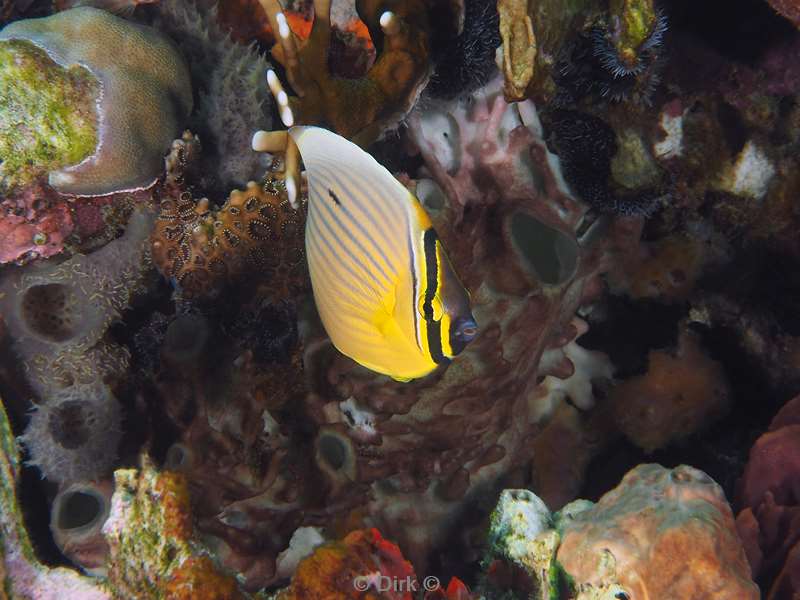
(466, 329)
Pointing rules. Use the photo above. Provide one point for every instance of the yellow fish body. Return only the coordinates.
(384, 287)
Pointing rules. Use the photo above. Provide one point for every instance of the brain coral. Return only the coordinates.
(145, 94)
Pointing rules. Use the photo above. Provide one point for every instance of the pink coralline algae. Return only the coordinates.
(34, 222)
(769, 493)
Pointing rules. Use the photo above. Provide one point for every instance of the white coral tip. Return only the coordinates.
(389, 23)
(283, 25)
(287, 116)
(260, 141)
(291, 191)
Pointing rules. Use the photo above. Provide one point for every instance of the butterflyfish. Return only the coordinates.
(384, 287)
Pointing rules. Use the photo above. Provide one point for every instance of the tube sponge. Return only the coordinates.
(75, 435)
(58, 315)
(145, 94)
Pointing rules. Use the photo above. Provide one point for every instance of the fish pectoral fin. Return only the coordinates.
(386, 324)
(384, 317)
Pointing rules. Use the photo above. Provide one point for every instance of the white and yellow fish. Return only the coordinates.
(384, 287)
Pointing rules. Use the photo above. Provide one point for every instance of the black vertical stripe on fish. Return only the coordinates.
(432, 270)
(435, 343)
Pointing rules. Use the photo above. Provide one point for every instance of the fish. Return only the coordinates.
(385, 289)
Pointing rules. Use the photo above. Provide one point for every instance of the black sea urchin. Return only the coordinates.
(592, 66)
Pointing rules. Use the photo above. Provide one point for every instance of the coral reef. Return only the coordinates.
(152, 553)
(423, 452)
(74, 435)
(521, 544)
(21, 573)
(769, 522)
(350, 568)
(144, 97)
(643, 535)
(58, 315)
(358, 109)
(365, 565)
(638, 541)
(627, 230)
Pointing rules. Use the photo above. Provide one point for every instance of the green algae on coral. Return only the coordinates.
(47, 114)
(633, 166)
(633, 22)
(145, 96)
(150, 534)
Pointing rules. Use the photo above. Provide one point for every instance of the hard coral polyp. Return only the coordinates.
(255, 232)
(144, 95)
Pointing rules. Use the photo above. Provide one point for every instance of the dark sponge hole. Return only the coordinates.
(333, 451)
(77, 510)
(70, 424)
(46, 310)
